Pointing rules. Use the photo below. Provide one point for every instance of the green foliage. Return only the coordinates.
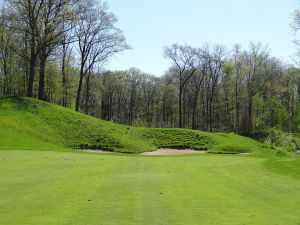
(297, 120)
(282, 140)
(269, 112)
(282, 117)
(282, 153)
(259, 106)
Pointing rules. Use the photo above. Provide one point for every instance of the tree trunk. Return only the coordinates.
(210, 115)
(207, 111)
(43, 59)
(180, 107)
(64, 79)
(250, 115)
(79, 90)
(87, 96)
(237, 106)
(32, 65)
(65, 88)
(194, 125)
(5, 75)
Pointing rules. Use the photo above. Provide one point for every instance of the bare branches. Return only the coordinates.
(296, 20)
(187, 60)
(98, 38)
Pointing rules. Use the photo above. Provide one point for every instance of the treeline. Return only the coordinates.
(55, 50)
(40, 35)
(243, 91)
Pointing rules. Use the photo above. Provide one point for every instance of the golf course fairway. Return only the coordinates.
(76, 188)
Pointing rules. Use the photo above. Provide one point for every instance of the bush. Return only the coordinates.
(282, 153)
(285, 141)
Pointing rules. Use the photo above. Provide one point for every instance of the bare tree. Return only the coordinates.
(255, 61)
(196, 83)
(214, 62)
(22, 18)
(186, 61)
(237, 58)
(4, 56)
(56, 20)
(296, 20)
(66, 51)
(98, 39)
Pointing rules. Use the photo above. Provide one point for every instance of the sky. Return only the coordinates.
(150, 25)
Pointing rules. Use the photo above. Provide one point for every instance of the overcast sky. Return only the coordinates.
(151, 25)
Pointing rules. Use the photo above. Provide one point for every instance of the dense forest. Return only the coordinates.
(56, 51)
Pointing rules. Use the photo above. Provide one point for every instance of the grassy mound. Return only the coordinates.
(31, 124)
(231, 149)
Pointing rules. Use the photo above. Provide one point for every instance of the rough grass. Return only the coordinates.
(231, 149)
(31, 124)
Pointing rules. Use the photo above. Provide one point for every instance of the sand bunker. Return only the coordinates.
(161, 151)
(97, 151)
(171, 151)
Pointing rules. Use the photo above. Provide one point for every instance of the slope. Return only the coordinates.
(29, 124)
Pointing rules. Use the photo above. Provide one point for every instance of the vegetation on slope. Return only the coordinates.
(31, 124)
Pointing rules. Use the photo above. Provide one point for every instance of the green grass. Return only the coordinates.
(34, 125)
(51, 188)
(50, 184)
(285, 165)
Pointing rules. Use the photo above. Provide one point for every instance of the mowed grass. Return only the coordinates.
(34, 125)
(69, 188)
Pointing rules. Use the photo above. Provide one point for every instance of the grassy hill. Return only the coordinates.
(60, 186)
(31, 124)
